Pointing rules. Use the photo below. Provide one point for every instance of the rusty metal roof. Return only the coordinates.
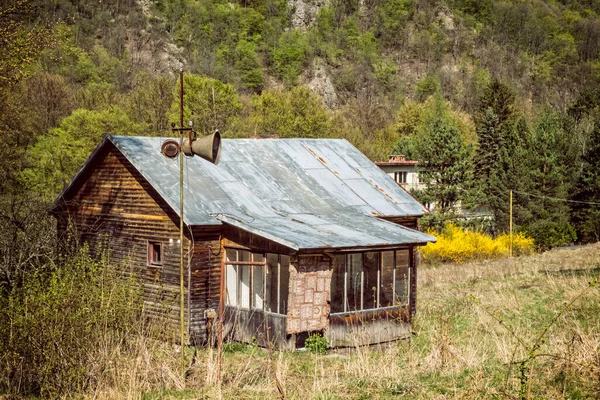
(304, 192)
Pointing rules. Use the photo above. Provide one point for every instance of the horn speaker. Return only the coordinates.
(207, 147)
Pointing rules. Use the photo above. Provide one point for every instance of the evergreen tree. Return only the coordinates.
(494, 124)
(551, 156)
(517, 164)
(444, 161)
(586, 217)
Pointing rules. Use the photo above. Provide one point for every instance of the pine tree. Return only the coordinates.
(586, 217)
(494, 124)
(445, 161)
(550, 168)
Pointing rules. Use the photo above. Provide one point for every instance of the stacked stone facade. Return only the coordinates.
(310, 294)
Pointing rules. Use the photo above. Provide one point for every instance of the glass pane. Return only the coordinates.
(243, 255)
(244, 271)
(354, 287)
(337, 284)
(386, 281)
(284, 281)
(370, 272)
(231, 284)
(402, 282)
(258, 257)
(258, 286)
(272, 283)
(231, 278)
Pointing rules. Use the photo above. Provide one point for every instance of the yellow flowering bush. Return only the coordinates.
(454, 244)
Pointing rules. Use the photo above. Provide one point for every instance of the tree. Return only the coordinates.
(150, 101)
(297, 113)
(207, 112)
(586, 217)
(494, 124)
(444, 160)
(291, 55)
(57, 156)
(551, 177)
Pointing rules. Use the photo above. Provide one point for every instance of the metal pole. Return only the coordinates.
(181, 285)
(510, 227)
(221, 314)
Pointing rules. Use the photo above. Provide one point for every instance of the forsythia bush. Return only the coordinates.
(454, 244)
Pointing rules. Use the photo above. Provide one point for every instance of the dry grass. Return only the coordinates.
(460, 350)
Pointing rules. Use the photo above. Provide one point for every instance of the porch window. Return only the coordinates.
(257, 281)
(370, 280)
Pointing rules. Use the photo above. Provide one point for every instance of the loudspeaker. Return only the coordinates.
(207, 147)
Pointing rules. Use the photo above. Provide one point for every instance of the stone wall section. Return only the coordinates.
(310, 294)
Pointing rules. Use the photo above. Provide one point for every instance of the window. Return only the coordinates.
(155, 253)
(255, 281)
(400, 176)
(366, 281)
(277, 288)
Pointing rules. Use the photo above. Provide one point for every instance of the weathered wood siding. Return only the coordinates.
(368, 327)
(115, 208)
(241, 239)
(409, 222)
(256, 326)
(414, 264)
(205, 282)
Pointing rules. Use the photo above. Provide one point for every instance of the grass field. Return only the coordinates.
(526, 327)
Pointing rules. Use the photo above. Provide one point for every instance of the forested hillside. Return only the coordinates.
(489, 96)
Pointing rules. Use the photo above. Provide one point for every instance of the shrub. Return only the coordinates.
(455, 244)
(316, 343)
(548, 234)
(52, 327)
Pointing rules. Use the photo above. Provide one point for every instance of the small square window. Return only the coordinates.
(155, 253)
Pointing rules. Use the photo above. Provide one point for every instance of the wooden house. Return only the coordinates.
(294, 236)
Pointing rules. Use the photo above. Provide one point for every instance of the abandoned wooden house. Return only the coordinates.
(294, 236)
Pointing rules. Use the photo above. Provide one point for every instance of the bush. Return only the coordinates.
(548, 234)
(54, 325)
(458, 245)
(316, 343)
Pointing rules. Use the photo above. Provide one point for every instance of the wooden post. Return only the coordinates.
(510, 227)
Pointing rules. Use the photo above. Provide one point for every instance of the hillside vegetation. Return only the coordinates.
(489, 96)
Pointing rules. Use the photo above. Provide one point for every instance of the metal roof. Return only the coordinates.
(304, 192)
(343, 230)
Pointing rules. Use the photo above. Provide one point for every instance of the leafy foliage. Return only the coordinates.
(316, 343)
(208, 103)
(56, 157)
(297, 113)
(51, 353)
(444, 158)
(457, 245)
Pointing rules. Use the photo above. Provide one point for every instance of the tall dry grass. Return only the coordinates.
(475, 327)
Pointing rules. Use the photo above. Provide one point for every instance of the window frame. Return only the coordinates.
(401, 176)
(151, 253)
(410, 269)
(265, 300)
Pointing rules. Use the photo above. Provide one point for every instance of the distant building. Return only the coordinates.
(403, 171)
